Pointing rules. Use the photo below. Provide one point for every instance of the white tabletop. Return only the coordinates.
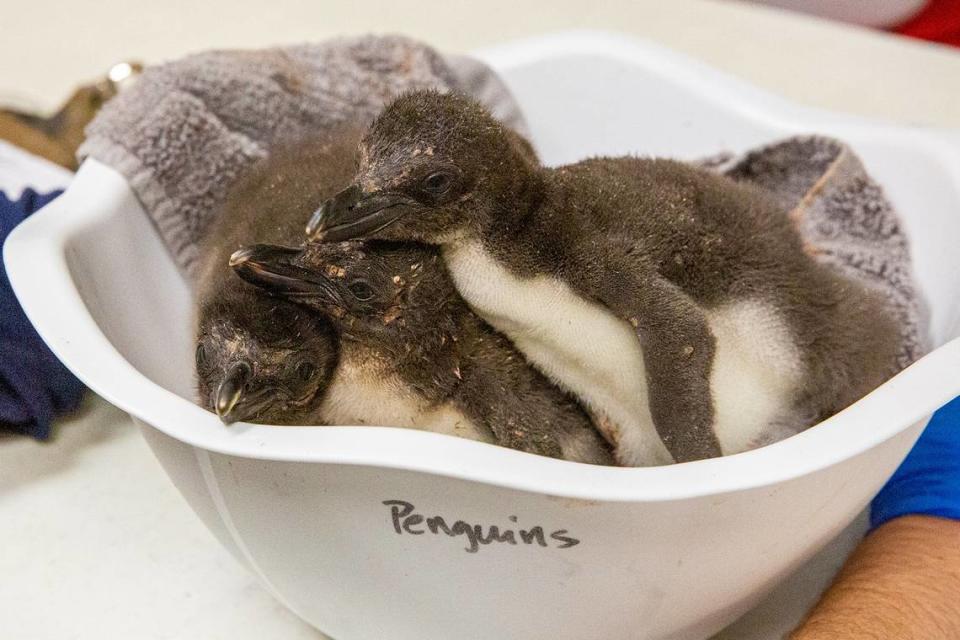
(95, 542)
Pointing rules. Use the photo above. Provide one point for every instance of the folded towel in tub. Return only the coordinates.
(187, 129)
(844, 218)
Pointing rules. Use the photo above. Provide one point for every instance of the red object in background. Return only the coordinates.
(939, 21)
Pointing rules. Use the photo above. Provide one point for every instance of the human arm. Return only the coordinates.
(904, 580)
(902, 583)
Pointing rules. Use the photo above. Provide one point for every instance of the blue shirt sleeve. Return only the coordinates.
(928, 481)
(34, 386)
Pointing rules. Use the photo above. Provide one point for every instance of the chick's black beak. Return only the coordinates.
(270, 267)
(230, 391)
(355, 214)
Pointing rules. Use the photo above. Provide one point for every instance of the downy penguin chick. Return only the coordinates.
(674, 302)
(260, 358)
(405, 332)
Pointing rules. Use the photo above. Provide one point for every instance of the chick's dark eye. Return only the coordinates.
(305, 370)
(361, 290)
(200, 356)
(437, 183)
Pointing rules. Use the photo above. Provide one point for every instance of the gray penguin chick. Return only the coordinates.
(405, 332)
(676, 303)
(260, 358)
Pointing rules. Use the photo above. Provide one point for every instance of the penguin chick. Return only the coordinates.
(676, 303)
(403, 326)
(261, 358)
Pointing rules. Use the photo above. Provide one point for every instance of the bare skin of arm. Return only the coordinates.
(902, 583)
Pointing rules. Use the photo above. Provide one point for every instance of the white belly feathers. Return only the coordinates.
(756, 372)
(360, 394)
(595, 355)
(576, 343)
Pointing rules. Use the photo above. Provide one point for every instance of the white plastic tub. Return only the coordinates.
(672, 552)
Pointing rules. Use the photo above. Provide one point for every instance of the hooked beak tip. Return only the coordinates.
(315, 223)
(230, 391)
(240, 256)
(226, 403)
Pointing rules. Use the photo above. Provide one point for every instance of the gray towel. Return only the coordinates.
(187, 129)
(844, 218)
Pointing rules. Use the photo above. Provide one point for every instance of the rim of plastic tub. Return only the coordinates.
(35, 256)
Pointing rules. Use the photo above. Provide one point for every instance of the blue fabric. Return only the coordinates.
(928, 481)
(34, 386)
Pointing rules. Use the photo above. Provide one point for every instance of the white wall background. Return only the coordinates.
(47, 46)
